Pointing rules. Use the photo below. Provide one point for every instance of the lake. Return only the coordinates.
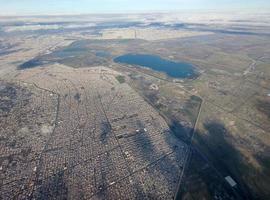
(171, 68)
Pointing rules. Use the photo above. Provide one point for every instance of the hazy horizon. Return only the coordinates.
(81, 7)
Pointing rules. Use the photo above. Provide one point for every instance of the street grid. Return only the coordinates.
(104, 140)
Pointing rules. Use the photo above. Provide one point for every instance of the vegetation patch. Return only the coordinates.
(264, 107)
(121, 79)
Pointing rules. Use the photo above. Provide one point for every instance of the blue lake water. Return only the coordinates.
(171, 68)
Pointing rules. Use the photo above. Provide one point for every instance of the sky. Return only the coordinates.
(25, 7)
